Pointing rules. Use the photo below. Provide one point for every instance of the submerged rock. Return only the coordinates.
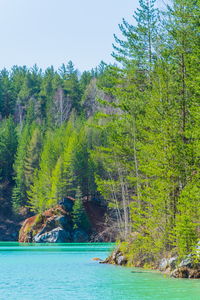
(96, 259)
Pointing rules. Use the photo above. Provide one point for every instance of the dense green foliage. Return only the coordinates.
(151, 153)
(127, 134)
(80, 218)
(8, 145)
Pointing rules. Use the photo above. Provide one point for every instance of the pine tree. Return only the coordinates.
(39, 194)
(57, 189)
(69, 177)
(72, 87)
(19, 196)
(80, 218)
(31, 161)
(138, 46)
(7, 99)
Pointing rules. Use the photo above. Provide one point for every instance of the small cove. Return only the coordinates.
(67, 271)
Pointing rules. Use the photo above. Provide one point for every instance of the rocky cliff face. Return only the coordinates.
(56, 225)
(53, 226)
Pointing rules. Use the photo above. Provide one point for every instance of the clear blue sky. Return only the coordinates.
(52, 32)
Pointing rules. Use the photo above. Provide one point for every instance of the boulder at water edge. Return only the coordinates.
(52, 226)
(57, 235)
(189, 266)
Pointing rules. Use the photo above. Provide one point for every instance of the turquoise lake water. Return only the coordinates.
(67, 271)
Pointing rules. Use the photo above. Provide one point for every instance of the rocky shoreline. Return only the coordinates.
(189, 267)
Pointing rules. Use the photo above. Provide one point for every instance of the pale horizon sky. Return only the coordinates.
(52, 32)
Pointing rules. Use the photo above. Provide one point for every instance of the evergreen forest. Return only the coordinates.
(125, 134)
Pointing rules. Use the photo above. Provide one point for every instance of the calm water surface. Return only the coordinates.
(66, 271)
